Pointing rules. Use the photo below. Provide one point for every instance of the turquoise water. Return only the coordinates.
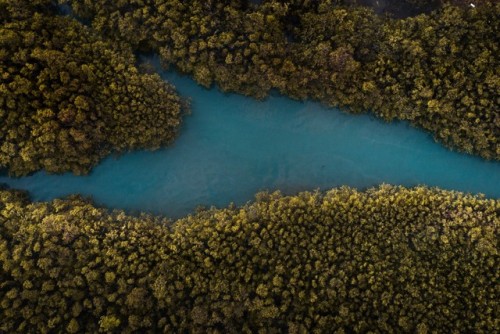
(231, 147)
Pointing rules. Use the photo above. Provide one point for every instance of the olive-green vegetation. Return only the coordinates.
(440, 70)
(387, 260)
(68, 97)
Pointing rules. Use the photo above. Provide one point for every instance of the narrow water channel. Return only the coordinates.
(231, 147)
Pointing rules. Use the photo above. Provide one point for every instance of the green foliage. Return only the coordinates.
(449, 78)
(437, 70)
(69, 97)
(388, 259)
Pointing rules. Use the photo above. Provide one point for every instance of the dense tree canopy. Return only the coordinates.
(69, 97)
(388, 259)
(439, 70)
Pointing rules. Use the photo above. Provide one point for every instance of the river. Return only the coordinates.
(232, 146)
